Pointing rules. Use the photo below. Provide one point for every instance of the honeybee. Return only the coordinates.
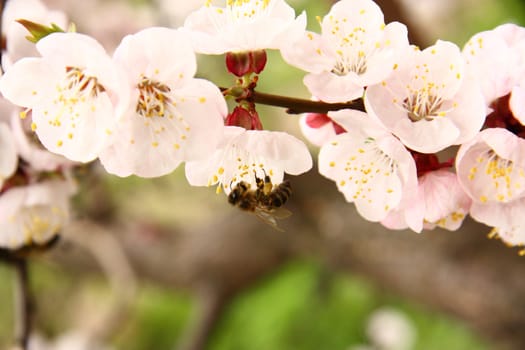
(265, 201)
(272, 197)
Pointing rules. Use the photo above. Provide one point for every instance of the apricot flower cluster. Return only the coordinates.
(142, 111)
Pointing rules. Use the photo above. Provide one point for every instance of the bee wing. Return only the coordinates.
(268, 218)
(281, 213)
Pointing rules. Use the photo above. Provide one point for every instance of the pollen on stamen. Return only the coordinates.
(33, 126)
(60, 143)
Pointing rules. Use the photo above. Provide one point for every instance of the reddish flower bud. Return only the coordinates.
(248, 119)
(242, 63)
(429, 162)
(238, 63)
(317, 120)
(258, 61)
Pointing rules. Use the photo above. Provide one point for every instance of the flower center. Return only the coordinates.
(423, 105)
(353, 47)
(239, 10)
(79, 84)
(153, 99)
(501, 173)
(40, 221)
(350, 63)
(247, 8)
(77, 95)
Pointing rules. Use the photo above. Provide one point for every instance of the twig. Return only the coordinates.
(23, 303)
(211, 304)
(298, 105)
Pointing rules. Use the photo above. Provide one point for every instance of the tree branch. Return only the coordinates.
(23, 303)
(298, 105)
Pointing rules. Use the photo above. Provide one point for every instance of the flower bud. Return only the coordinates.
(317, 120)
(242, 63)
(248, 119)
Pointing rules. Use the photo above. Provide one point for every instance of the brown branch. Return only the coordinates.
(210, 308)
(23, 303)
(299, 105)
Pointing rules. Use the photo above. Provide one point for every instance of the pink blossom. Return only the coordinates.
(244, 155)
(506, 218)
(369, 166)
(34, 213)
(244, 25)
(354, 50)
(319, 128)
(497, 58)
(428, 101)
(75, 91)
(491, 167)
(440, 202)
(172, 117)
(32, 151)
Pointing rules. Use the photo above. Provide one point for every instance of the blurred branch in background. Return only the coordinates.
(22, 297)
(23, 302)
(461, 273)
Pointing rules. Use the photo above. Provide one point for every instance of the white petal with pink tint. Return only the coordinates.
(244, 26)
(497, 58)
(75, 91)
(244, 155)
(8, 153)
(173, 117)
(427, 101)
(355, 50)
(491, 168)
(34, 213)
(506, 218)
(369, 166)
(32, 151)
